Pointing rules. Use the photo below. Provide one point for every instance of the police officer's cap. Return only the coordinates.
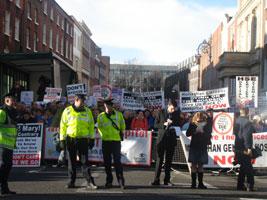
(81, 96)
(109, 102)
(10, 95)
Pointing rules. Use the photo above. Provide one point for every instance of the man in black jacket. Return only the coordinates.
(243, 130)
(165, 121)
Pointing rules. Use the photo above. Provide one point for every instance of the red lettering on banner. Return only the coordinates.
(223, 160)
(133, 133)
(215, 106)
(214, 137)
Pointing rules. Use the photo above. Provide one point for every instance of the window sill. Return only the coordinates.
(16, 39)
(36, 23)
(29, 18)
(44, 44)
(7, 34)
(28, 48)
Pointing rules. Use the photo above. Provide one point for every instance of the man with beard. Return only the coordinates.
(8, 135)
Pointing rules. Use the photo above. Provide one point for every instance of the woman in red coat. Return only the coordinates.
(139, 122)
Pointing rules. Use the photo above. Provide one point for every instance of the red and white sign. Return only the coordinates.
(29, 145)
(52, 94)
(221, 151)
(223, 123)
(135, 149)
(102, 92)
(247, 91)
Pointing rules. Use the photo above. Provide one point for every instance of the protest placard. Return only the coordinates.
(52, 94)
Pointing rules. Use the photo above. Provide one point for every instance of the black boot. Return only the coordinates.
(194, 180)
(200, 181)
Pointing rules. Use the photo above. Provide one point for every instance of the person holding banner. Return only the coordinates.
(200, 131)
(111, 126)
(166, 142)
(8, 133)
(243, 130)
(76, 126)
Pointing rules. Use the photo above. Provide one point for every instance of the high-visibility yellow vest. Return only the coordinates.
(105, 128)
(8, 131)
(77, 124)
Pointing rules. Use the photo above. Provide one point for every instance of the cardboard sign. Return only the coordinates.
(75, 89)
(26, 97)
(52, 94)
(29, 145)
(247, 91)
(203, 100)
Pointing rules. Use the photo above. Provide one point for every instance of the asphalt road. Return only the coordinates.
(47, 183)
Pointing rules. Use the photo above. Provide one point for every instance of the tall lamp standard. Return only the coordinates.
(205, 47)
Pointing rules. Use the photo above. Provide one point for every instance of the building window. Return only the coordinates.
(18, 3)
(62, 24)
(67, 49)
(29, 11)
(57, 43)
(67, 27)
(44, 34)
(61, 46)
(265, 73)
(28, 38)
(36, 16)
(71, 52)
(265, 38)
(52, 14)
(71, 31)
(45, 7)
(51, 39)
(7, 22)
(34, 42)
(17, 29)
(58, 20)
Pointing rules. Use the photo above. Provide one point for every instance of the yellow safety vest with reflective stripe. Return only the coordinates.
(8, 132)
(77, 124)
(105, 128)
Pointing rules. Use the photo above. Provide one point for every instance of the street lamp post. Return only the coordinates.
(205, 47)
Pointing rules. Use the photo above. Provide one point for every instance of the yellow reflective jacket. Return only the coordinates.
(105, 128)
(77, 124)
(8, 131)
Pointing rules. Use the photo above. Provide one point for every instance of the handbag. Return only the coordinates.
(256, 152)
(115, 126)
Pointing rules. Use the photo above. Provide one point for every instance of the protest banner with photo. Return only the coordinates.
(29, 145)
(75, 89)
(247, 91)
(135, 149)
(153, 100)
(52, 94)
(26, 97)
(203, 100)
(51, 143)
(131, 101)
(102, 92)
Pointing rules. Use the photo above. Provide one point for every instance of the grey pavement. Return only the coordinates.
(49, 183)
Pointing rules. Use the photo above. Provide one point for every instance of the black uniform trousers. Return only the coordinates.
(6, 156)
(112, 149)
(246, 169)
(79, 145)
(165, 147)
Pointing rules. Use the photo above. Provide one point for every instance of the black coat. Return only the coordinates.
(199, 140)
(243, 130)
(161, 118)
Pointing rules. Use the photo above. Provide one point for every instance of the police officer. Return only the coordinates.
(166, 141)
(111, 125)
(8, 135)
(76, 126)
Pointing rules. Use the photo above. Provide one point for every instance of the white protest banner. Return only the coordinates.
(51, 140)
(153, 100)
(131, 101)
(29, 145)
(75, 89)
(26, 97)
(221, 151)
(135, 149)
(223, 123)
(247, 91)
(52, 94)
(203, 100)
